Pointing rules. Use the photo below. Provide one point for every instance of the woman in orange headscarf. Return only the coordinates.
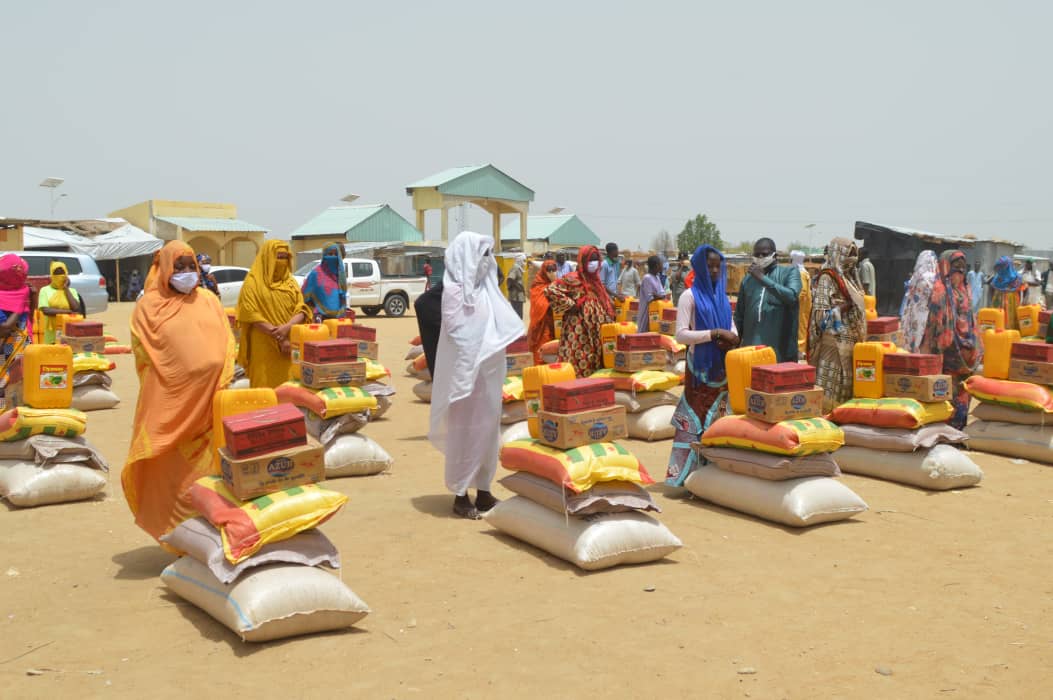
(269, 305)
(542, 326)
(585, 305)
(184, 353)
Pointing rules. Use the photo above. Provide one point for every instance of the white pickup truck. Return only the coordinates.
(371, 291)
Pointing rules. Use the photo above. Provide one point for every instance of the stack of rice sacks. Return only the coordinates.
(91, 379)
(896, 427)
(772, 457)
(418, 369)
(43, 458)
(332, 387)
(639, 366)
(252, 558)
(1015, 412)
(579, 495)
(368, 349)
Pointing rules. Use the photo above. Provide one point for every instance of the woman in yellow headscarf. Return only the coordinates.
(270, 304)
(56, 299)
(184, 353)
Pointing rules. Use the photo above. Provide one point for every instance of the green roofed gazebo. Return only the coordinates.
(371, 223)
(552, 231)
(482, 185)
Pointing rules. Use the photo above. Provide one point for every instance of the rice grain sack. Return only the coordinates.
(790, 437)
(1004, 414)
(900, 439)
(513, 412)
(797, 502)
(88, 378)
(512, 390)
(327, 403)
(652, 424)
(22, 422)
(25, 484)
(516, 431)
(93, 397)
(1032, 442)
(578, 469)
(418, 369)
(415, 351)
(383, 406)
(644, 380)
(355, 455)
(1023, 396)
(768, 466)
(938, 468)
(607, 497)
(325, 430)
(422, 390)
(638, 402)
(592, 542)
(269, 602)
(892, 412)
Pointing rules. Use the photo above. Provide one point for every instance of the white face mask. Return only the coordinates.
(593, 266)
(765, 261)
(205, 267)
(184, 282)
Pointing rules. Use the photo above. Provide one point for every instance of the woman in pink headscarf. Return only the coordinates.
(14, 308)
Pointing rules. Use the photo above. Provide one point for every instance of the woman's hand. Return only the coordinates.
(285, 347)
(266, 328)
(282, 332)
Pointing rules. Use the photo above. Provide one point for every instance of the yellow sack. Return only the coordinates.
(21, 423)
(92, 362)
(790, 437)
(375, 371)
(512, 389)
(644, 380)
(579, 469)
(326, 403)
(248, 525)
(890, 412)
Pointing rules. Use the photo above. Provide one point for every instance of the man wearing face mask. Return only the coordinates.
(767, 308)
(609, 272)
(56, 299)
(208, 280)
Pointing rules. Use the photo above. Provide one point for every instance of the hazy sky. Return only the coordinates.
(766, 116)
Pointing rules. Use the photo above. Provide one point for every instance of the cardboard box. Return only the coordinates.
(640, 360)
(667, 327)
(357, 332)
(517, 347)
(931, 387)
(368, 350)
(1043, 320)
(669, 315)
(264, 430)
(515, 363)
(323, 376)
(782, 378)
(257, 476)
(90, 344)
(775, 407)
(577, 395)
(915, 364)
(894, 338)
(882, 325)
(1032, 351)
(1028, 371)
(566, 431)
(83, 329)
(632, 342)
(336, 350)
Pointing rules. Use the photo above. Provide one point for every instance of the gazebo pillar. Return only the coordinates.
(445, 215)
(523, 229)
(496, 217)
(420, 221)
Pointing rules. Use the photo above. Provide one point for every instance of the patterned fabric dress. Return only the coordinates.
(583, 301)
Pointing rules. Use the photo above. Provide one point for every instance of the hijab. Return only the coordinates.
(326, 285)
(1006, 278)
(539, 306)
(712, 311)
(14, 291)
(590, 280)
(520, 261)
(797, 259)
(842, 264)
(269, 293)
(914, 317)
(161, 302)
(58, 274)
(951, 321)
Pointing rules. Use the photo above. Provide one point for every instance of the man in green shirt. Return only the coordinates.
(766, 311)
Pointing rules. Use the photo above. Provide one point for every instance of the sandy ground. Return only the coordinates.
(948, 593)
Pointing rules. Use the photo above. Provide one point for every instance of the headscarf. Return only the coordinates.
(951, 321)
(1006, 278)
(842, 263)
(539, 306)
(712, 311)
(206, 279)
(14, 292)
(269, 293)
(590, 280)
(477, 323)
(797, 259)
(326, 285)
(520, 261)
(58, 301)
(914, 316)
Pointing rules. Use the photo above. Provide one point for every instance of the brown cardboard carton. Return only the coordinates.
(637, 360)
(794, 405)
(257, 476)
(1028, 371)
(516, 362)
(929, 387)
(569, 430)
(325, 375)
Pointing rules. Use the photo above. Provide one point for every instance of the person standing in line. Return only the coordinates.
(609, 271)
(1007, 290)
(325, 288)
(427, 274)
(542, 327)
(585, 305)
(838, 321)
(804, 303)
(676, 277)
(767, 308)
(914, 311)
(867, 274)
(208, 280)
(1033, 293)
(516, 285)
(477, 325)
(1047, 285)
(55, 299)
(135, 285)
(975, 280)
(563, 267)
(650, 290)
(629, 281)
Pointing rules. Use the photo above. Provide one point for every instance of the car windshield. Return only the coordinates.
(306, 269)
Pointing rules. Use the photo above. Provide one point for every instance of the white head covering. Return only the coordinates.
(520, 261)
(914, 312)
(797, 259)
(477, 323)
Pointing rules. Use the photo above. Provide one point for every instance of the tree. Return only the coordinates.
(742, 247)
(699, 231)
(663, 242)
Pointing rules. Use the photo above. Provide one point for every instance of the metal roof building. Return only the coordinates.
(551, 231)
(371, 223)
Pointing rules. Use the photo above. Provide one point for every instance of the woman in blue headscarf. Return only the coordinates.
(1007, 290)
(205, 277)
(704, 324)
(325, 289)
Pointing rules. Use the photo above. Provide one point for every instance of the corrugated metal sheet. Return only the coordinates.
(479, 181)
(195, 223)
(377, 223)
(556, 229)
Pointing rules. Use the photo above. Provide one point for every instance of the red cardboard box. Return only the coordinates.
(638, 341)
(882, 325)
(357, 332)
(782, 378)
(320, 352)
(1032, 351)
(265, 430)
(914, 364)
(577, 395)
(669, 315)
(83, 329)
(518, 347)
(1043, 318)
